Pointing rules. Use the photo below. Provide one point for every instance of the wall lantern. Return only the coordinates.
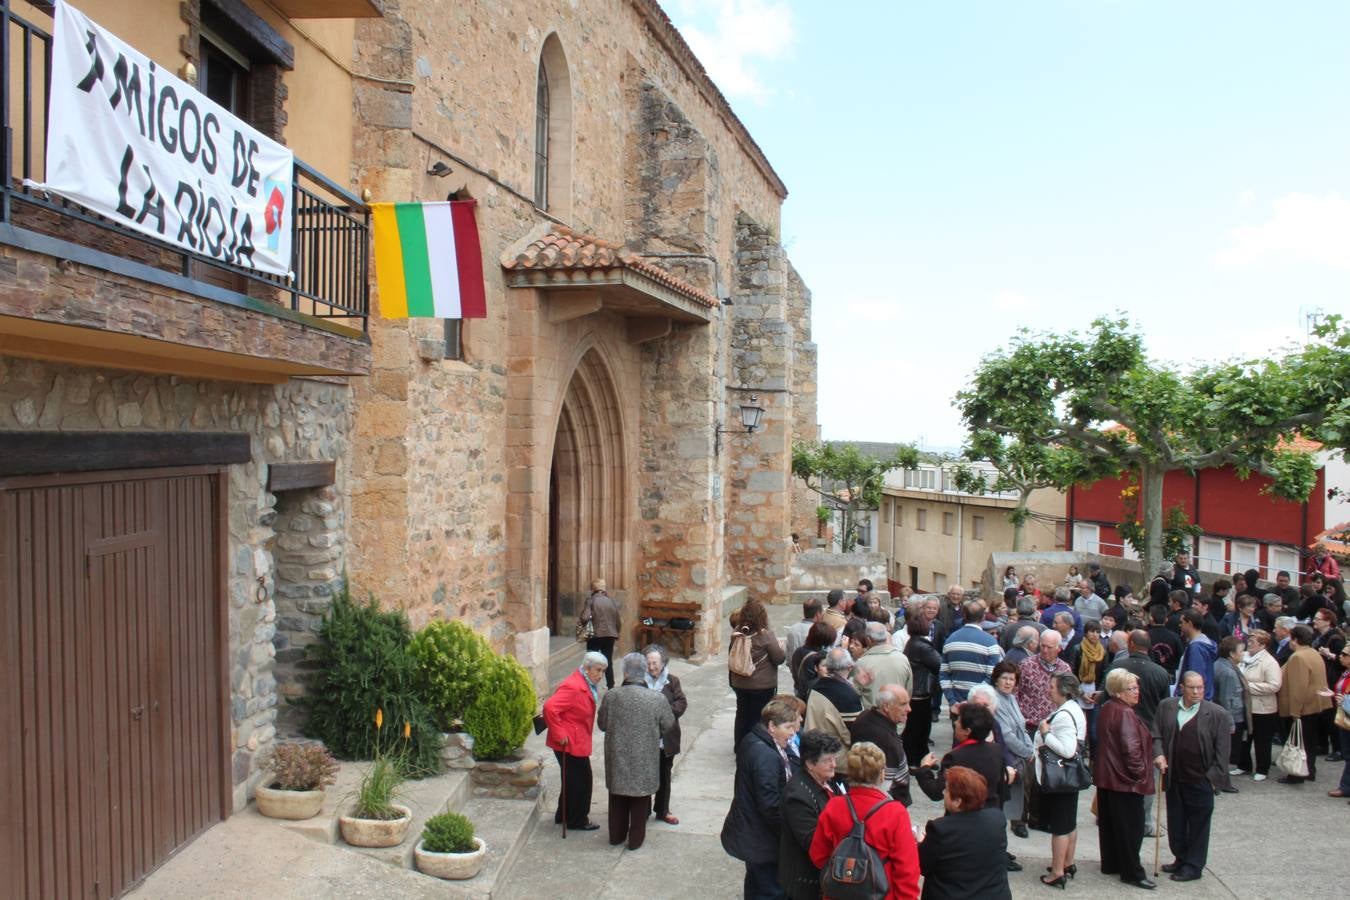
(751, 413)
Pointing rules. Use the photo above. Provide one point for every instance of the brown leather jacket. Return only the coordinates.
(1124, 759)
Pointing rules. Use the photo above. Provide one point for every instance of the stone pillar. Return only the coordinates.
(805, 429)
(758, 502)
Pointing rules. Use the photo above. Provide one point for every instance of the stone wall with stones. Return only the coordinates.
(303, 419)
(758, 530)
(805, 427)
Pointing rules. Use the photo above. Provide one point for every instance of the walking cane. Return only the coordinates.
(1160, 785)
(562, 791)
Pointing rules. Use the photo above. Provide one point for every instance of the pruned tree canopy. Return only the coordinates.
(848, 478)
(1099, 396)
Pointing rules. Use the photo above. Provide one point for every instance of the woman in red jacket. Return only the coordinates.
(888, 831)
(570, 715)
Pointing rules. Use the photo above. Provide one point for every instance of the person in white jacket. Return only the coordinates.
(1262, 674)
(1062, 731)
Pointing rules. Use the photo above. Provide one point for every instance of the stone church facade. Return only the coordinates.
(638, 295)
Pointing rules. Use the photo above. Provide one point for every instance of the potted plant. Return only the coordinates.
(448, 848)
(300, 772)
(376, 820)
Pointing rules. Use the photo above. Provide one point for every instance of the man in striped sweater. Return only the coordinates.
(968, 656)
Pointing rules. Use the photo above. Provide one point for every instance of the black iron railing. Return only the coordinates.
(330, 255)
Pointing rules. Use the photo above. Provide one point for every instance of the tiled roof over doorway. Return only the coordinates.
(562, 248)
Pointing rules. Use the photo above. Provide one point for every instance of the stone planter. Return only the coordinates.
(282, 804)
(376, 832)
(455, 866)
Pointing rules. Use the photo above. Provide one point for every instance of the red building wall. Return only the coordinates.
(1217, 500)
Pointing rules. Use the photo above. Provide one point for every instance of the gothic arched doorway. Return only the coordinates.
(589, 529)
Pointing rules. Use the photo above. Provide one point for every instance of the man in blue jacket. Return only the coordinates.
(1199, 654)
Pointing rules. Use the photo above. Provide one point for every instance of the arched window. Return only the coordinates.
(553, 131)
(541, 139)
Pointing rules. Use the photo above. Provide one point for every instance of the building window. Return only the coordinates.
(224, 74)
(886, 512)
(454, 338)
(977, 527)
(920, 520)
(553, 131)
(948, 522)
(939, 583)
(914, 578)
(1283, 559)
(541, 139)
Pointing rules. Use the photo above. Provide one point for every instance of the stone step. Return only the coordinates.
(562, 661)
(505, 826)
(425, 798)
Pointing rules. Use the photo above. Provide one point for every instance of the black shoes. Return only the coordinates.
(1230, 790)
(1171, 867)
(1014, 866)
(1185, 875)
(1061, 882)
(1289, 779)
(589, 826)
(1070, 870)
(1019, 829)
(1142, 883)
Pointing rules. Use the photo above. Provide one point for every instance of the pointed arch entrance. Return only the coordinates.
(590, 532)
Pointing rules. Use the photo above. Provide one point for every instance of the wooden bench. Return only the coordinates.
(660, 632)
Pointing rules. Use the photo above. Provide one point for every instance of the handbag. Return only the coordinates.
(585, 630)
(1063, 774)
(739, 660)
(1343, 713)
(1293, 759)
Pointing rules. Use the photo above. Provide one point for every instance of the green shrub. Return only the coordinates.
(499, 717)
(448, 833)
(362, 664)
(449, 662)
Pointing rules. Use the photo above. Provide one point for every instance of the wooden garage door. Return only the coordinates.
(111, 618)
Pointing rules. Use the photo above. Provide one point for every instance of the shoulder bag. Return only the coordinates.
(1063, 774)
(740, 660)
(1293, 759)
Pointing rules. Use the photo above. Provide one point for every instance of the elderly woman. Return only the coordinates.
(601, 611)
(570, 715)
(958, 853)
(658, 678)
(804, 800)
(1122, 769)
(1263, 677)
(753, 691)
(925, 664)
(763, 769)
(1012, 727)
(1231, 694)
(888, 829)
(1062, 731)
(634, 719)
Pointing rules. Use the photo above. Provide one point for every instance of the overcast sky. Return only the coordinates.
(961, 168)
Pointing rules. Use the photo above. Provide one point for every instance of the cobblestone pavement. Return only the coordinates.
(1253, 832)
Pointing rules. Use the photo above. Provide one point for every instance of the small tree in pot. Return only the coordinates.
(300, 772)
(448, 848)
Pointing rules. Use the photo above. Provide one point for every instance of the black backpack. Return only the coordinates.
(854, 870)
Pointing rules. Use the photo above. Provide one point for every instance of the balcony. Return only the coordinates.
(77, 287)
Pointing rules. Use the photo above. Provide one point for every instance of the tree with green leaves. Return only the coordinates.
(1100, 396)
(848, 479)
(1023, 467)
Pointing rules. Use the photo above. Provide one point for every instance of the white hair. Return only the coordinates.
(634, 666)
(838, 660)
(1286, 622)
(594, 658)
(1025, 635)
(987, 691)
(877, 633)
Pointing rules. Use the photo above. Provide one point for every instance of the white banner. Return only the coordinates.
(136, 144)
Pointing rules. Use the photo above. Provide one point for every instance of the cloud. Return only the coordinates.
(1303, 228)
(730, 37)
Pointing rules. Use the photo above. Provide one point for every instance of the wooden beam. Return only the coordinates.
(296, 475)
(640, 331)
(563, 306)
(44, 452)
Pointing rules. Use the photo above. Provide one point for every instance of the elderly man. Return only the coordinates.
(1200, 651)
(634, 720)
(1284, 646)
(950, 614)
(1062, 602)
(1088, 605)
(1033, 691)
(881, 726)
(570, 715)
(1271, 608)
(1190, 746)
(833, 703)
(837, 610)
(1069, 638)
(968, 656)
(1024, 644)
(1026, 616)
(812, 612)
(883, 663)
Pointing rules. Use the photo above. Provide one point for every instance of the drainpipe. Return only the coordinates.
(960, 537)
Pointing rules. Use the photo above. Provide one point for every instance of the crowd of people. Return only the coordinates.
(1176, 691)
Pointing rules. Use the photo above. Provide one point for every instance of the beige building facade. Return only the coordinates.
(934, 536)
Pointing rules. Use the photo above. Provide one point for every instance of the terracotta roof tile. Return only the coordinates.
(566, 248)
